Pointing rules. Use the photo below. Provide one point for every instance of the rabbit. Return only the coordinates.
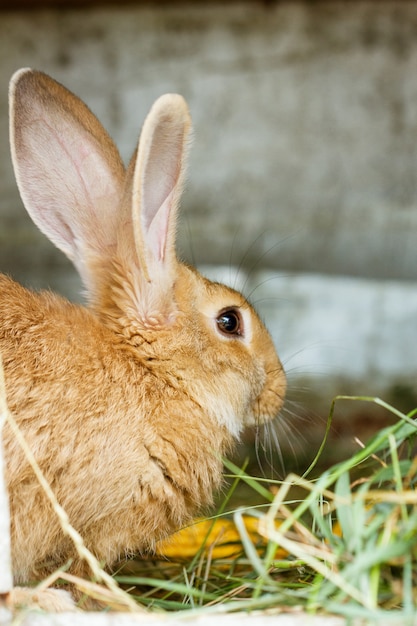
(129, 402)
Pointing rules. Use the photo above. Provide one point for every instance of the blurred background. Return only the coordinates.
(302, 184)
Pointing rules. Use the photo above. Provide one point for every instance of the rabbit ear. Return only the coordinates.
(68, 170)
(159, 167)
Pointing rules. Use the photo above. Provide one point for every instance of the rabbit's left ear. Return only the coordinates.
(158, 175)
(69, 172)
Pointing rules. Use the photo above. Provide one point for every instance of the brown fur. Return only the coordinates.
(129, 404)
(122, 445)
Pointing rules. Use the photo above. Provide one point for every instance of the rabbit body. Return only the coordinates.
(129, 403)
(124, 448)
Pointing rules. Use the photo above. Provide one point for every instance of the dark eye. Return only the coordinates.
(229, 322)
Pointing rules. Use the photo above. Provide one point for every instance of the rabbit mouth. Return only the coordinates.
(268, 405)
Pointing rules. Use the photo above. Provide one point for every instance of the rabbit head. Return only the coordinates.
(129, 402)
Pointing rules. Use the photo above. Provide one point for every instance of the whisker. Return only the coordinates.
(274, 436)
(262, 256)
(257, 446)
(245, 256)
(234, 281)
(269, 298)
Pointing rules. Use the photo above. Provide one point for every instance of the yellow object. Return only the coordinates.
(218, 539)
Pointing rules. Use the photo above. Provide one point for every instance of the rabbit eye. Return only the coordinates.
(229, 322)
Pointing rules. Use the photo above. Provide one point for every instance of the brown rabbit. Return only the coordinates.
(129, 403)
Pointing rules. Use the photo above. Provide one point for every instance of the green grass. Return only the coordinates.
(348, 544)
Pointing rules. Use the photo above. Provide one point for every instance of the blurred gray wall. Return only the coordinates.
(302, 180)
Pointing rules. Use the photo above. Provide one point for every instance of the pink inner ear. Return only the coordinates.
(158, 230)
(68, 187)
(159, 182)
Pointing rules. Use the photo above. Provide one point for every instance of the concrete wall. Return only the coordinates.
(303, 165)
